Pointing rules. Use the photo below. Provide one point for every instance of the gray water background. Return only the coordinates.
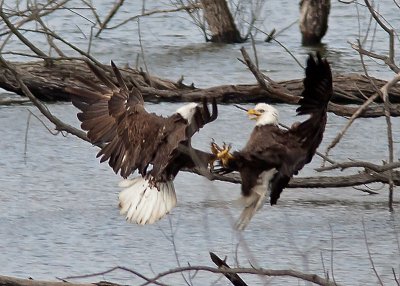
(58, 211)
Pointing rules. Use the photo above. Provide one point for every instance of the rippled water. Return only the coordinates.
(59, 216)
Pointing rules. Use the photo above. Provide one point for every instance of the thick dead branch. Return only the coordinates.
(362, 178)
(271, 87)
(233, 277)
(344, 181)
(49, 82)
(360, 164)
(11, 281)
(257, 271)
(9, 101)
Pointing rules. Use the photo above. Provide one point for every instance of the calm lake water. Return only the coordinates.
(58, 211)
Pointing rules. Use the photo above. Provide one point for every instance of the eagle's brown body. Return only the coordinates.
(273, 155)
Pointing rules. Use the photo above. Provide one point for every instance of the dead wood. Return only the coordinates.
(9, 101)
(48, 82)
(220, 22)
(359, 179)
(313, 20)
(12, 281)
(233, 277)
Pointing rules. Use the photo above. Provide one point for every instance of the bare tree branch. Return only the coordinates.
(149, 13)
(361, 164)
(110, 15)
(370, 256)
(60, 126)
(23, 39)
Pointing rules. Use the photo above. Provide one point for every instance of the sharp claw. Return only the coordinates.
(222, 154)
(214, 148)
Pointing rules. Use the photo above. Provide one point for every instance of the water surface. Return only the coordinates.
(59, 216)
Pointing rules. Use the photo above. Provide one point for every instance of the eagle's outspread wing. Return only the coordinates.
(132, 139)
(303, 139)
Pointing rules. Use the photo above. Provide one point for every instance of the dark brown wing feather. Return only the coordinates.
(202, 116)
(131, 138)
(304, 139)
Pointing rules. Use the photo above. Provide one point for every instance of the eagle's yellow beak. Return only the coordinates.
(253, 114)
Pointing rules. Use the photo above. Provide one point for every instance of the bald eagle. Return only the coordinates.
(132, 139)
(273, 155)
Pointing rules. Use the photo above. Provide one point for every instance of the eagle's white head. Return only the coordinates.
(187, 111)
(264, 114)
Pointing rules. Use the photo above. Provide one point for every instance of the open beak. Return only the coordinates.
(253, 114)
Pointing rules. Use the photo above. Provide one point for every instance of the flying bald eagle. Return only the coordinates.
(132, 139)
(273, 155)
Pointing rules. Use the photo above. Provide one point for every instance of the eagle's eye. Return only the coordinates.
(261, 110)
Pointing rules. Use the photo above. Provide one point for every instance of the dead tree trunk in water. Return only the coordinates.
(313, 20)
(220, 22)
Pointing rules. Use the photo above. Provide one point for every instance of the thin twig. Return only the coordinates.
(332, 251)
(43, 11)
(187, 8)
(369, 254)
(113, 269)
(355, 115)
(23, 39)
(147, 74)
(395, 277)
(49, 38)
(386, 101)
(26, 136)
(57, 37)
(110, 15)
(60, 126)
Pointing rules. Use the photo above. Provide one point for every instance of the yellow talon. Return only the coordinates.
(215, 149)
(221, 154)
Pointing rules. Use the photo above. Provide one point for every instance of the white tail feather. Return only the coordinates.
(144, 203)
(126, 183)
(256, 200)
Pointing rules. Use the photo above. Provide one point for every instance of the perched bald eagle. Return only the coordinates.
(132, 139)
(273, 155)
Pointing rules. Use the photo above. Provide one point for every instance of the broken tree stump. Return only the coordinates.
(314, 16)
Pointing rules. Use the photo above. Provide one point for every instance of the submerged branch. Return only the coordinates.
(49, 82)
(362, 178)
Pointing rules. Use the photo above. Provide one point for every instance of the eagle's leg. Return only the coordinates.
(215, 149)
(221, 153)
